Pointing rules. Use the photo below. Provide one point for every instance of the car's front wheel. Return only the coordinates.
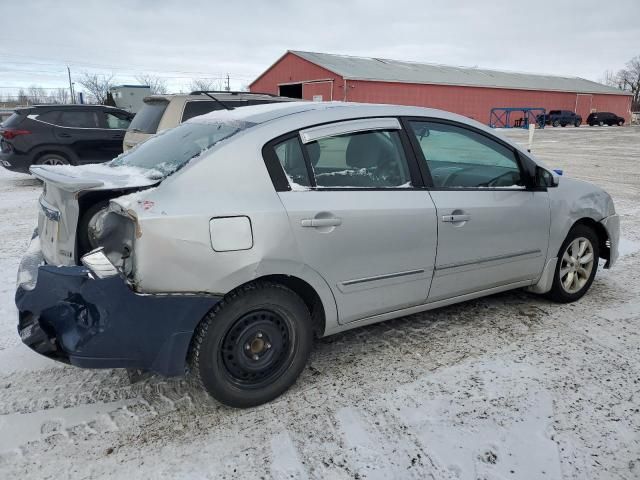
(577, 265)
(253, 346)
(555, 123)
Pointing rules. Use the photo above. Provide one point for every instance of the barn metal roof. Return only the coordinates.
(385, 70)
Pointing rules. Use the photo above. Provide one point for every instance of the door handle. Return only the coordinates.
(321, 222)
(456, 218)
(64, 135)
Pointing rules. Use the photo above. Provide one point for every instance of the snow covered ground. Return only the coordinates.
(506, 387)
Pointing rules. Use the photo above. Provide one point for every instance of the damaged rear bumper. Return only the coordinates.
(72, 315)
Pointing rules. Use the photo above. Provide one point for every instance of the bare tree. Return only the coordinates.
(630, 80)
(23, 99)
(158, 85)
(61, 95)
(37, 94)
(206, 84)
(98, 86)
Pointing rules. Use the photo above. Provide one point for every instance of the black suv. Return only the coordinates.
(61, 135)
(604, 118)
(560, 118)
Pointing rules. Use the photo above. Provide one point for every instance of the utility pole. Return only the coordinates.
(70, 85)
(228, 86)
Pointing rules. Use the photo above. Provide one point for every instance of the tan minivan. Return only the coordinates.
(161, 112)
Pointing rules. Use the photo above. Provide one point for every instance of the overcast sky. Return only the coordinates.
(180, 40)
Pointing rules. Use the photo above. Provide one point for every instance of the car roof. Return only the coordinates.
(218, 95)
(340, 110)
(76, 106)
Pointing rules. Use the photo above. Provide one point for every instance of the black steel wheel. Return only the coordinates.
(256, 347)
(253, 346)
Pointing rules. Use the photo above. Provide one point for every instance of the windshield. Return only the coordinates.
(169, 151)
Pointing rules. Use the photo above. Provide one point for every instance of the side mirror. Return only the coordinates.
(544, 178)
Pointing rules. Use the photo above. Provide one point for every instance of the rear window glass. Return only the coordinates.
(13, 121)
(199, 107)
(148, 118)
(554, 112)
(171, 150)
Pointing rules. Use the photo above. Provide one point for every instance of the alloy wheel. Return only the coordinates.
(577, 263)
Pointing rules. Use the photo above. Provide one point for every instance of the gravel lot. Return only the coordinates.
(505, 387)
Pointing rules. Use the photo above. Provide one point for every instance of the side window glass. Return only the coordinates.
(116, 122)
(373, 159)
(78, 119)
(290, 155)
(48, 117)
(461, 158)
(199, 107)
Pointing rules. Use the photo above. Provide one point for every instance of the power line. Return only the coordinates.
(123, 67)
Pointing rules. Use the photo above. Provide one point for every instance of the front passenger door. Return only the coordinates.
(492, 230)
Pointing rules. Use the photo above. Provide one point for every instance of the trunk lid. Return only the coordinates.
(59, 208)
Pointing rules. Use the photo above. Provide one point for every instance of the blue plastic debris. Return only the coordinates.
(558, 171)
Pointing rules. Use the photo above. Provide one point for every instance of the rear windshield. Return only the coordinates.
(13, 121)
(171, 150)
(148, 118)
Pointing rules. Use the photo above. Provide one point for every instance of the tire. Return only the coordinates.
(84, 242)
(252, 346)
(621, 123)
(601, 124)
(568, 289)
(577, 123)
(555, 123)
(52, 159)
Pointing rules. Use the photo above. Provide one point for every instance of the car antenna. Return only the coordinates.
(219, 102)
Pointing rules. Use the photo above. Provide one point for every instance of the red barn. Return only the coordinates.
(472, 92)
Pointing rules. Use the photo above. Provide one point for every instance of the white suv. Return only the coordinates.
(161, 112)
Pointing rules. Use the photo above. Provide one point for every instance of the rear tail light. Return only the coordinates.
(9, 133)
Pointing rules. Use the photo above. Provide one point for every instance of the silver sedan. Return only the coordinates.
(224, 244)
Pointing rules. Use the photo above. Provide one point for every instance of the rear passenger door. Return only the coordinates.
(356, 214)
(81, 130)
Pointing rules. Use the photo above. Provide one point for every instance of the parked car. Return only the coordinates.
(604, 118)
(225, 243)
(161, 112)
(561, 118)
(61, 135)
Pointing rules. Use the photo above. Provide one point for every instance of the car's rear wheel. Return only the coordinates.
(52, 159)
(253, 346)
(577, 265)
(555, 123)
(576, 123)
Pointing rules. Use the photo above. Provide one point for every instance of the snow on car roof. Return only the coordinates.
(254, 113)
